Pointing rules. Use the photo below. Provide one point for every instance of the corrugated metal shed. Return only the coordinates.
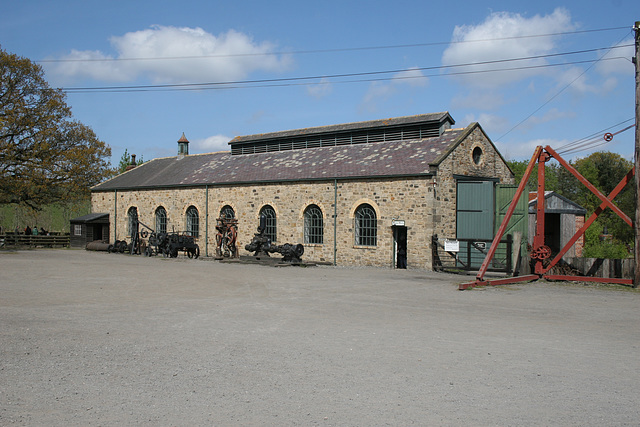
(555, 203)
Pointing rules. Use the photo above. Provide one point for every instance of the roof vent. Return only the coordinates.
(183, 146)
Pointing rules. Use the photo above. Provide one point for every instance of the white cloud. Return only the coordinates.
(412, 77)
(202, 57)
(491, 123)
(381, 91)
(524, 150)
(321, 89)
(503, 33)
(617, 60)
(213, 143)
(550, 116)
(377, 92)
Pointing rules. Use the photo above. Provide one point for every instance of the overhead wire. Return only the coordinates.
(594, 140)
(227, 84)
(583, 144)
(268, 83)
(333, 50)
(563, 89)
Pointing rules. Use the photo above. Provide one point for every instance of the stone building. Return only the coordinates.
(353, 194)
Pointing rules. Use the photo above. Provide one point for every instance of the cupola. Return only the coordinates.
(183, 146)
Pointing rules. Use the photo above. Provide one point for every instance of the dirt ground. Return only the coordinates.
(90, 338)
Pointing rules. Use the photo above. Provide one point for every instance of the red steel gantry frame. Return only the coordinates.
(540, 251)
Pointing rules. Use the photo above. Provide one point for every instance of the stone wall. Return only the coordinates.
(461, 162)
(410, 199)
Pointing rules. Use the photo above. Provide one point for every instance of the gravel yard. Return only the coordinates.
(90, 338)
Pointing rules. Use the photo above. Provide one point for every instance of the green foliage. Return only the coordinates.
(45, 156)
(604, 170)
(596, 247)
(53, 217)
(126, 161)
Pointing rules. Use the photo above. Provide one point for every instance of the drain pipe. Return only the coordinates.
(206, 223)
(335, 220)
(115, 215)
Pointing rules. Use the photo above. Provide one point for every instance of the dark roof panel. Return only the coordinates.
(94, 217)
(434, 118)
(395, 158)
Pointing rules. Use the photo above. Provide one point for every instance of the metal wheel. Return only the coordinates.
(541, 253)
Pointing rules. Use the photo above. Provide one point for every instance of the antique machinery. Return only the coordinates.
(261, 246)
(158, 243)
(226, 236)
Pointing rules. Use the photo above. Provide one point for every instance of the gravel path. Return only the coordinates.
(92, 338)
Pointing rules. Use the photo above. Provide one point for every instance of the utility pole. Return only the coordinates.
(636, 225)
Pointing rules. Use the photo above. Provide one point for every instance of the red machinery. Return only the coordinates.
(540, 251)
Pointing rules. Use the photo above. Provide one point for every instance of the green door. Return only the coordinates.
(474, 220)
(519, 222)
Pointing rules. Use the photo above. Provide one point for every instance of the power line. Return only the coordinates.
(286, 82)
(561, 90)
(594, 140)
(228, 84)
(591, 136)
(335, 50)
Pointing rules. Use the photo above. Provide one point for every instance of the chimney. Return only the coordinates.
(132, 164)
(183, 146)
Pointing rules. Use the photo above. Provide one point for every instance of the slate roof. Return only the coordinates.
(99, 217)
(431, 118)
(381, 159)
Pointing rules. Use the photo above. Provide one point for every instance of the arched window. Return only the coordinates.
(227, 212)
(193, 221)
(271, 229)
(313, 225)
(161, 220)
(132, 221)
(366, 227)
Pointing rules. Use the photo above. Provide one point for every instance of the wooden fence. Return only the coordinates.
(599, 267)
(20, 240)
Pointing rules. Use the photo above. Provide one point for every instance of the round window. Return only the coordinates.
(477, 155)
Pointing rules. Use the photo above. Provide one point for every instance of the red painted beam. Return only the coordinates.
(590, 221)
(590, 186)
(505, 281)
(538, 239)
(508, 215)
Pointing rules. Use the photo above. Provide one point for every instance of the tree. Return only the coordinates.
(126, 160)
(45, 156)
(604, 170)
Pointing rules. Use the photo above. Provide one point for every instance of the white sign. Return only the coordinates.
(397, 222)
(451, 246)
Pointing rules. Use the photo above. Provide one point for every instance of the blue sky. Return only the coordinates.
(323, 63)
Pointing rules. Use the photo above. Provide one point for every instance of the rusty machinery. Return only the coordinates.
(156, 243)
(261, 246)
(541, 253)
(226, 237)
